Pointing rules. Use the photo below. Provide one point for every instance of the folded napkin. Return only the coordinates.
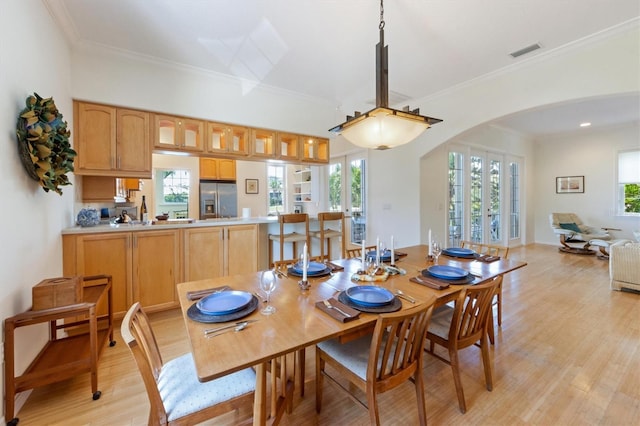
(430, 282)
(199, 294)
(353, 314)
(400, 253)
(487, 258)
(334, 267)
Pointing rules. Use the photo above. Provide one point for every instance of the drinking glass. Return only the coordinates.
(268, 284)
(436, 249)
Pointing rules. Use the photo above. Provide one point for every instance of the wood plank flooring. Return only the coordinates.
(568, 353)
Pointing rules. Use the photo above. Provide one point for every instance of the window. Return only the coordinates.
(456, 200)
(629, 182)
(276, 185)
(514, 202)
(173, 189)
(335, 187)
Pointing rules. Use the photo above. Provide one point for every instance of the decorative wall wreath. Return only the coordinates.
(43, 143)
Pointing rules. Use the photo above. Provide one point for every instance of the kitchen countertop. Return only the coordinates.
(137, 226)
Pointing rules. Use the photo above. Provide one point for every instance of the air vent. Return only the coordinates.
(525, 50)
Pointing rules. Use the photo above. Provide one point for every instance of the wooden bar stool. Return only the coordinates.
(326, 232)
(292, 237)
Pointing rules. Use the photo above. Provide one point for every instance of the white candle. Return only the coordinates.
(305, 260)
(377, 250)
(364, 260)
(430, 248)
(393, 253)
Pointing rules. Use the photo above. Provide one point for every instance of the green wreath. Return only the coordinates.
(43, 143)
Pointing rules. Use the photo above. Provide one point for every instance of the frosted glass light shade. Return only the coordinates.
(383, 128)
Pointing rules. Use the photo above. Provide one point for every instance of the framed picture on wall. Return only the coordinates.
(251, 186)
(569, 184)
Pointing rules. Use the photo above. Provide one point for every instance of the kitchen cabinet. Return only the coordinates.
(262, 143)
(220, 251)
(217, 168)
(156, 268)
(97, 254)
(104, 188)
(314, 150)
(112, 141)
(288, 146)
(178, 133)
(227, 139)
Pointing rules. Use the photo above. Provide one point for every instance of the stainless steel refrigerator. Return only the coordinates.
(218, 199)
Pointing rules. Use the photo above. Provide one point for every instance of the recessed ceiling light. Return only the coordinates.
(586, 124)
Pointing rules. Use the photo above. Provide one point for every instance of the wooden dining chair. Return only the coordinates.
(503, 253)
(382, 361)
(175, 394)
(461, 326)
(331, 226)
(292, 237)
(356, 253)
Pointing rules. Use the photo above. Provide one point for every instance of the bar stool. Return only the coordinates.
(326, 232)
(292, 237)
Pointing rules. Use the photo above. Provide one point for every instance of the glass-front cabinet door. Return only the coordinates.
(227, 139)
(178, 133)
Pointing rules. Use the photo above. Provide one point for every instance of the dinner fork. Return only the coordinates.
(330, 306)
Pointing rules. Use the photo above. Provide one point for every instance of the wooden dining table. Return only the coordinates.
(271, 342)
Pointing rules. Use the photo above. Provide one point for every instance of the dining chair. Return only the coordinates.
(292, 237)
(461, 326)
(329, 221)
(356, 253)
(175, 394)
(503, 253)
(381, 361)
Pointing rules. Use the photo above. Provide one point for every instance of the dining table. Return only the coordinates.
(270, 342)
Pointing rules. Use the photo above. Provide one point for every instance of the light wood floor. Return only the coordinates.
(568, 353)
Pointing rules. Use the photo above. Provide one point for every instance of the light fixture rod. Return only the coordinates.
(382, 71)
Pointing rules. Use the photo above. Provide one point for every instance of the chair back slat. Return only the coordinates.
(471, 312)
(488, 249)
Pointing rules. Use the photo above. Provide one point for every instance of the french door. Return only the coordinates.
(347, 192)
(486, 222)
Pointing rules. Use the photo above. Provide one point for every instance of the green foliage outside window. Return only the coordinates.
(632, 198)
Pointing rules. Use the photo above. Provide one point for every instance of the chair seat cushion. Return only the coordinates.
(441, 321)
(182, 393)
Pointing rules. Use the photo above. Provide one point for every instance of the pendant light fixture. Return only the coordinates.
(383, 127)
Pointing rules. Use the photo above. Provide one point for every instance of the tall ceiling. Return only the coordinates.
(326, 48)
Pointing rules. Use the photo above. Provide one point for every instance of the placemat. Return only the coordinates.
(194, 313)
(466, 256)
(467, 280)
(292, 272)
(487, 258)
(353, 313)
(395, 305)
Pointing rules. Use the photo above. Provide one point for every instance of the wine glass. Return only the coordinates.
(436, 250)
(268, 284)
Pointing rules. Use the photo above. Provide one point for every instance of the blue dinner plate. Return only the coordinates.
(384, 256)
(446, 272)
(224, 303)
(314, 268)
(459, 252)
(369, 295)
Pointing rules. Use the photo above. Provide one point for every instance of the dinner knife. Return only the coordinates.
(224, 327)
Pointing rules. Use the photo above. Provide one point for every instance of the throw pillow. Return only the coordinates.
(571, 227)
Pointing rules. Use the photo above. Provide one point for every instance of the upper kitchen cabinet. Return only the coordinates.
(288, 146)
(112, 141)
(314, 150)
(217, 169)
(178, 133)
(227, 139)
(263, 143)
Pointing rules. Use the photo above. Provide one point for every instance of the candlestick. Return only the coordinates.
(364, 260)
(377, 251)
(393, 253)
(305, 261)
(430, 248)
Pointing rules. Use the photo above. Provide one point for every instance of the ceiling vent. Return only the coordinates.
(525, 50)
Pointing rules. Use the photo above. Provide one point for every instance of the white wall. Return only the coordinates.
(34, 58)
(594, 155)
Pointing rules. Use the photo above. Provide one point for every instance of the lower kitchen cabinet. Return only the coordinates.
(145, 266)
(156, 268)
(220, 251)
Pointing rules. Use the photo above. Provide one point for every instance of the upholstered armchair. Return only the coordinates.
(571, 230)
(624, 265)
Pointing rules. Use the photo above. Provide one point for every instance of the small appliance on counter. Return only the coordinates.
(218, 199)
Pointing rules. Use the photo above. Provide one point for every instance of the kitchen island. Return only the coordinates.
(147, 261)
